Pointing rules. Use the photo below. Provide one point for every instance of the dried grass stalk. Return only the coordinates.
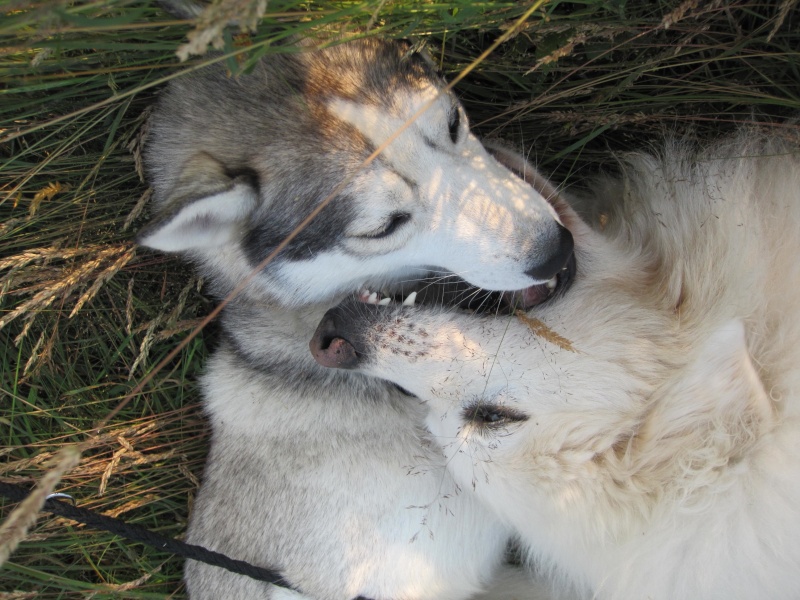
(540, 329)
(129, 307)
(559, 53)
(46, 193)
(107, 274)
(215, 18)
(783, 12)
(133, 504)
(24, 516)
(18, 595)
(69, 280)
(680, 13)
(147, 342)
(118, 588)
(143, 201)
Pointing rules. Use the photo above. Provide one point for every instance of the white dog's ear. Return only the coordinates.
(723, 381)
(205, 209)
(717, 408)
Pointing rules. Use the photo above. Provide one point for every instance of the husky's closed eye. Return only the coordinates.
(394, 222)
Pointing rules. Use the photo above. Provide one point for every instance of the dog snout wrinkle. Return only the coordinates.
(556, 260)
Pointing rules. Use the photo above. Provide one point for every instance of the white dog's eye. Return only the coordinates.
(392, 224)
(492, 415)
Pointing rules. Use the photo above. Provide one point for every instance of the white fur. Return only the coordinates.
(660, 458)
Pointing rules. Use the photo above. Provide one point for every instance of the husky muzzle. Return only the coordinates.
(560, 253)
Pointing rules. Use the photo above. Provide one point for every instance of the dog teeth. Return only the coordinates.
(382, 298)
(551, 284)
(409, 301)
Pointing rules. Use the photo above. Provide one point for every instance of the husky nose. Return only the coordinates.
(552, 264)
(328, 345)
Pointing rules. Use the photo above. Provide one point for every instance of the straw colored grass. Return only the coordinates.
(85, 315)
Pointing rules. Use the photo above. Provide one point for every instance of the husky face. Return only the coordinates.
(623, 428)
(236, 165)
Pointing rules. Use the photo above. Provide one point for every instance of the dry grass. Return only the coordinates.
(84, 316)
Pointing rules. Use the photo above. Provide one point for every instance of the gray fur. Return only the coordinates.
(330, 477)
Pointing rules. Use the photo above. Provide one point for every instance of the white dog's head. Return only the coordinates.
(580, 419)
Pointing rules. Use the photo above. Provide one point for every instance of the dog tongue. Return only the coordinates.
(527, 298)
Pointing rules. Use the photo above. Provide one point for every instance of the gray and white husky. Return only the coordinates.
(329, 476)
(642, 430)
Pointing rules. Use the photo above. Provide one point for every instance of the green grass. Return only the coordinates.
(577, 80)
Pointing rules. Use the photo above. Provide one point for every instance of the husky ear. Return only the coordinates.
(205, 209)
(516, 163)
(718, 404)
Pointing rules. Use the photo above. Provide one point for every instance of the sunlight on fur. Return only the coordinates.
(643, 438)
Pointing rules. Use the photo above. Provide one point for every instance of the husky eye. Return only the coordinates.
(492, 415)
(454, 126)
(395, 221)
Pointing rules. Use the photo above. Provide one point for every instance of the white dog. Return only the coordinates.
(641, 431)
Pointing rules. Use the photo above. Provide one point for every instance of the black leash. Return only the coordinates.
(136, 533)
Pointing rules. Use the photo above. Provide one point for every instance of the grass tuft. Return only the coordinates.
(84, 316)
(22, 518)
